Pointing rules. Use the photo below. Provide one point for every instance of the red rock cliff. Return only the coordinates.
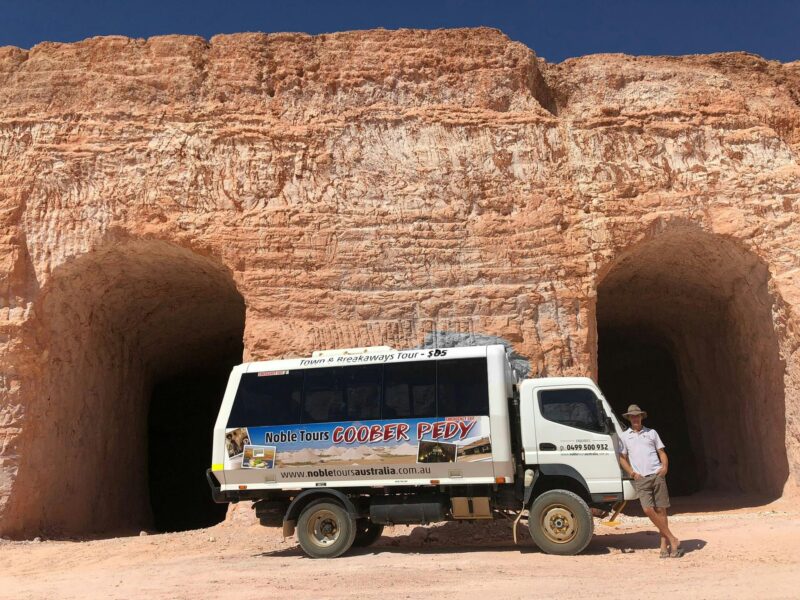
(164, 199)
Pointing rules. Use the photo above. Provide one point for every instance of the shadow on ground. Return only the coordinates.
(610, 543)
(635, 541)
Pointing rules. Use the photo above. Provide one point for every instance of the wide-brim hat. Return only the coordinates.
(634, 409)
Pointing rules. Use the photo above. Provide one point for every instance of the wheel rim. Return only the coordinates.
(323, 528)
(559, 524)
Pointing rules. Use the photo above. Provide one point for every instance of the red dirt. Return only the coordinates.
(741, 554)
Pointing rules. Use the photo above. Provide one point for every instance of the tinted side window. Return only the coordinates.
(575, 408)
(343, 394)
(362, 389)
(267, 400)
(462, 387)
(324, 396)
(409, 390)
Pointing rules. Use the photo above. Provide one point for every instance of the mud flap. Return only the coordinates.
(288, 528)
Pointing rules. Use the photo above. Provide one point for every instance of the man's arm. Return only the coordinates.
(662, 456)
(626, 466)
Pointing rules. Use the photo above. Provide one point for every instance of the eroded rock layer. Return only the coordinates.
(168, 202)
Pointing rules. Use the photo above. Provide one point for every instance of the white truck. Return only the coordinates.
(338, 445)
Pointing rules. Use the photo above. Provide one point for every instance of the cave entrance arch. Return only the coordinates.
(684, 323)
(140, 338)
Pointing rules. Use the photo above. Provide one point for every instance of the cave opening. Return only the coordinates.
(140, 338)
(637, 368)
(685, 330)
(183, 409)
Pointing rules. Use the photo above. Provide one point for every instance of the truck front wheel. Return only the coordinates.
(560, 522)
(325, 529)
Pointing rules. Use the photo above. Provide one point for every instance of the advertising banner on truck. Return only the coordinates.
(386, 449)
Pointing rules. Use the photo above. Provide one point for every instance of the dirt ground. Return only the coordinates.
(742, 553)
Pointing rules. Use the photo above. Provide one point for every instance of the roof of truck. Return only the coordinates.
(364, 356)
(553, 381)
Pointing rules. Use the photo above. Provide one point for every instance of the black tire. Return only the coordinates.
(560, 522)
(325, 529)
(367, 533)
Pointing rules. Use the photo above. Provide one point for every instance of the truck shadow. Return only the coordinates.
(616, 543)
(407, 549)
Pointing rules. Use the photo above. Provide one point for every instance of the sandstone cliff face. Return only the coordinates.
(169, 202)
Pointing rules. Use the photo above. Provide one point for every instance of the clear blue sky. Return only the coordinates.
(555, 29)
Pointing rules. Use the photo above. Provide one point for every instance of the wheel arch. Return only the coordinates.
(305, 497)
(564, 477)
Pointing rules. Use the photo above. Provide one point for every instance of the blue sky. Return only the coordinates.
(555, 30)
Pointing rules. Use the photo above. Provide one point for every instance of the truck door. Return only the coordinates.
(571, 434)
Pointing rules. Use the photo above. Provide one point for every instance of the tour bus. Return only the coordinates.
(338, 445)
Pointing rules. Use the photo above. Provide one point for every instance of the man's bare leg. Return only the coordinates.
(673, 541)
(659, 518)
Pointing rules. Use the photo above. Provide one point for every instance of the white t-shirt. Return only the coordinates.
(642, 450)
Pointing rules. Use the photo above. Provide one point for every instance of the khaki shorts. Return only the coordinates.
(652, 491)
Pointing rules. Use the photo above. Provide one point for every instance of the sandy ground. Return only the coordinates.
(745, 553)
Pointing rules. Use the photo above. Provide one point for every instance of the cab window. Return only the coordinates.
(572, 407)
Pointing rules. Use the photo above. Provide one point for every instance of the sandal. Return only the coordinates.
(677, 553)
(664, 553)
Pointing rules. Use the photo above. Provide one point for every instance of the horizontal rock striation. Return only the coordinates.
(172, 205)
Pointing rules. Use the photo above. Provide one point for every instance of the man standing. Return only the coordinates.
(642, 456)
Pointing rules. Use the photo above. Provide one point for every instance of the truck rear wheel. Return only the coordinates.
(367, 533)
(325, 529)
(560, 522)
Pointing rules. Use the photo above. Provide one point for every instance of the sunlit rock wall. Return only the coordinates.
(370, 188)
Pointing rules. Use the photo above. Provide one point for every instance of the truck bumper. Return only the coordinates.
(217, 494)
(628, 492)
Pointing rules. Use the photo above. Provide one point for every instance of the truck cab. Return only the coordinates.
(569, 431)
